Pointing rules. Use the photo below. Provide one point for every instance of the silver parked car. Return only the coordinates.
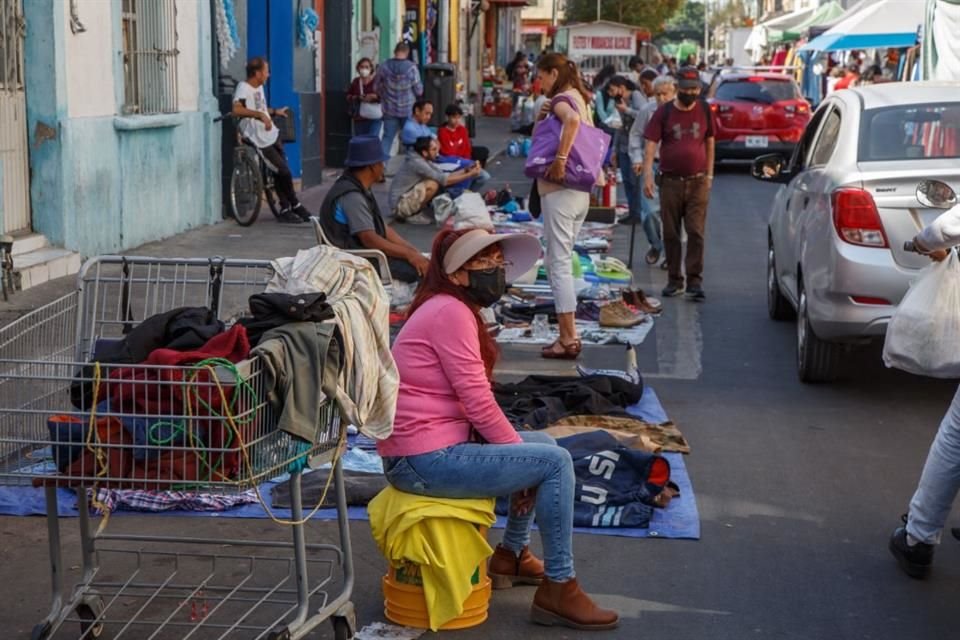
(853, 193)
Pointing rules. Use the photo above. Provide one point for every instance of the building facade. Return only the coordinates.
(120, 105)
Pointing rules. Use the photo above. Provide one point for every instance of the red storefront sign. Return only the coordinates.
(603, 42)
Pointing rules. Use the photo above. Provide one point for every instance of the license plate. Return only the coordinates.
(757, 142)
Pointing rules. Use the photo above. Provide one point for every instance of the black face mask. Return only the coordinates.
(487, 285)
(687, 99)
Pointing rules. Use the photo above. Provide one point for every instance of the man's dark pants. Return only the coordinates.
(683, 201)
(403, 271)
(283, 179)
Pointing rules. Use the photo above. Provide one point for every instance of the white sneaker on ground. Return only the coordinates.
(420, 218)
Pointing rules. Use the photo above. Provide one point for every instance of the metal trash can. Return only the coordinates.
(439, 87)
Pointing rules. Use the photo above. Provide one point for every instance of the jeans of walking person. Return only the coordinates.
(650, 214)
(939, 482)
(391, 128)
(563, 213)
(283, 179)
(683, 205)
(632, 186)
(474, 470)
(367, 127)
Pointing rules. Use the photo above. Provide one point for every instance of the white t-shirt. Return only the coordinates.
(254, 130)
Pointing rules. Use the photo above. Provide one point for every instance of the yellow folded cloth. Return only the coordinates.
(438, 534)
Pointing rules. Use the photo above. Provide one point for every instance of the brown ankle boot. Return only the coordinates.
(565, 603)
(507, 569)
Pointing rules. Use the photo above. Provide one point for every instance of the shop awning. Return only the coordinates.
(886, 23)
(776, 27)
(825, 14)
(533, 29)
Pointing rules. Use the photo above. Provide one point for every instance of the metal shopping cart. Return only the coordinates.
(202, 429)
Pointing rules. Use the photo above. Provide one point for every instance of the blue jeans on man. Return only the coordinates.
(391, 128)
(474, 470)
(642, 209)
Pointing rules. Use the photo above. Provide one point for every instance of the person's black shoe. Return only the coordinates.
(695, 293)
(916, 561)
(287, 216)
(672, 290)
(301, 212)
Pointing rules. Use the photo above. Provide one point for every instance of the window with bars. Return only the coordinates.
(12, 30)
(149, 56)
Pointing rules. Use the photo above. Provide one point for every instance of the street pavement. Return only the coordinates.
(798, 486)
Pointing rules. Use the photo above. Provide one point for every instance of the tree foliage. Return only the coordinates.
(651, 14)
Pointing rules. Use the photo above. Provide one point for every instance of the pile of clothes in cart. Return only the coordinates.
(180, 399)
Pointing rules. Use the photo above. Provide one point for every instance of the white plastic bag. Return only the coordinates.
(614, 121)
(924, 334)
(471, 212)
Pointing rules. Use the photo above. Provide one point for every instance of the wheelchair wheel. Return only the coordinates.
(245, 188)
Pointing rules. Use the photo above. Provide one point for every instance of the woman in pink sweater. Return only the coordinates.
(451, 439)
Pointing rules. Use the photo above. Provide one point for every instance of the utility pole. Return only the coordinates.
(598, 10)
(443, 28)
(706, 29)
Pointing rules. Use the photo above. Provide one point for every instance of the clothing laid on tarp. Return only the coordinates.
(630, 432)
(301, 367)
(538, 401)
(181, 329)
(439, 535)
(369, 381)
(271, 310)
(615, 486)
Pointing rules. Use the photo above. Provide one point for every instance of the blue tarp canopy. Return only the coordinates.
(887, 23)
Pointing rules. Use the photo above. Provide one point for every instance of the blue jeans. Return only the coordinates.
(391, 127)
(473, 470)
(631, 184)
(939, 482)
(650, 213)
(367, 127)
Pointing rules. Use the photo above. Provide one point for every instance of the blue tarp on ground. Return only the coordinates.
(680, 520)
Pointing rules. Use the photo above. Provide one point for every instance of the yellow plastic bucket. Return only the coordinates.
(404, 602)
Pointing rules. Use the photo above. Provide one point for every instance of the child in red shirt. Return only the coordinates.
(454, 139)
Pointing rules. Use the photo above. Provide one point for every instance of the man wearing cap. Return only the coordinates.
(683, 128)
(350, 215)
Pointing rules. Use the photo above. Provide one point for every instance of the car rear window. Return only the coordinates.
(910, 132)
(764, 91)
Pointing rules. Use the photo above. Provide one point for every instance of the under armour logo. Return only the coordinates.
(679, 131)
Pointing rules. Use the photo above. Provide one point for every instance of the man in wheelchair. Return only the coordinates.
(259, 131)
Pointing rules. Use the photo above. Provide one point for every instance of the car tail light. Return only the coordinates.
(720, 108)
(881, 302)
(856, 218)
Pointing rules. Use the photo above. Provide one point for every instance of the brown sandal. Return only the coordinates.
(560, 351)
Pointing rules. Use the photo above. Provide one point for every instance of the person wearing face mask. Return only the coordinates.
(683, 130)
(451, 439)
(364, 102)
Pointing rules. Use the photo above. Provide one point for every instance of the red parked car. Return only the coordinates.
(757, 113)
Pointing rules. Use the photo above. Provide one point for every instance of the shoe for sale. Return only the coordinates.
(916, 561)
(565, 604)
(507, 569)
(588, 311)
(637, 298)
(672, 290)
(617, 315)
(419, 219)
(695, 293)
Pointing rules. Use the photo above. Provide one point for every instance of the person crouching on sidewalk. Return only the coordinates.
(684, 130)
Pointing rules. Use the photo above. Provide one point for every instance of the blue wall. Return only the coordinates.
(104, 184)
